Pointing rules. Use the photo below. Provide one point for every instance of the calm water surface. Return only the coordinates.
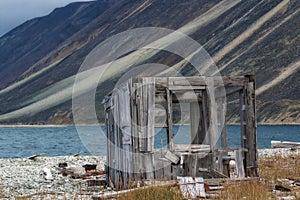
(59, 141)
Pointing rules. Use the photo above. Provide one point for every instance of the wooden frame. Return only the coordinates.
(130, 127)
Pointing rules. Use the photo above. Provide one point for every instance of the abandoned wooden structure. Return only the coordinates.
(135, 110)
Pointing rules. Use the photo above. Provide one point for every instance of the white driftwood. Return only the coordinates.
(284, 144)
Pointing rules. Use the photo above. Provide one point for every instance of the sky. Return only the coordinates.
(16, 12)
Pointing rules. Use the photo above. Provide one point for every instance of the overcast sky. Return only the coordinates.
(15, 12)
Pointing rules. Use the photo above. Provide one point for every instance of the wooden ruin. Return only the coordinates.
(131, 113)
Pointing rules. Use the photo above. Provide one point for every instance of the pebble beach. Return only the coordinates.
(22, 177)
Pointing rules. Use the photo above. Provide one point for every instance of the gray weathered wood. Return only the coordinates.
(149, 84)
(213, 115)
(172, 157)
(130, 120)
(251, 155)
(239, 160)
(170, 133)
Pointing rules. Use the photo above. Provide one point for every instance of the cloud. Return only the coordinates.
(16, 12)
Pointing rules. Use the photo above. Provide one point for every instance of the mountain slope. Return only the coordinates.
(255, 36)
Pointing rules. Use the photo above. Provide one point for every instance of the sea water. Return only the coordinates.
(16, 142)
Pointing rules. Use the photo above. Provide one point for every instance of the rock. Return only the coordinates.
(63, 165)
(22, 177)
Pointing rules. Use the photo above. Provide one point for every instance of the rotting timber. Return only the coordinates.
(131, 113)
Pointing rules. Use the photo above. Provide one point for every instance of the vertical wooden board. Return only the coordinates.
(203, 161)
(149, 165)
(140, 117)
(242, 117)
(170, 133)
(205, 115)
(145, 111)
(117, 141)
(213, 115)
(220, 161)
(192, 165)
(125, 116)
(251, 135)
(167, 171)
(223, 126)
(124, 123)
(107, 125)
(194, 123)
(176, 171)
(149, 108)
(127, 162)
(134, 130)
(158, 165)
(239, 160)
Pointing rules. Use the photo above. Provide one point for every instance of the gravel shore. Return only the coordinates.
(25, 177)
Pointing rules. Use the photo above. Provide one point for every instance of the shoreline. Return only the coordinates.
(260, 153)
(21, 177)
(93, 125)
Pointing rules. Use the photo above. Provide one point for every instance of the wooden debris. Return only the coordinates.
(74, 172)
(285, 144)
(33, 157)
(282, 188)
(89, 167)
(172, 157)
(96, 182)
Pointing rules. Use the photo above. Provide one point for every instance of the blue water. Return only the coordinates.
(59, 141)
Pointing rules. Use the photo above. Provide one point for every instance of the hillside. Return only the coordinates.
(40, 58)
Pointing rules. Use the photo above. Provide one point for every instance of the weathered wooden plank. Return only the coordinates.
(141, 116)
(150, 106)
(170, 133)
(188, 81)
(220, 161)
(149, 165)
(160, 163)
(184, 88)
(242, 117)
(285, 144)
(213, 115)
(191, 147)
(222, 116)
(172, 157)
(251, 155)
(205, 114)
(134, 130)
(162, 82)
(239, 160)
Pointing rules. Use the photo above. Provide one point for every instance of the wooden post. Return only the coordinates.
(141, 115)
(149, 108)
(251, 132)
(170, 133)
(213, 135)
(223, 125)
